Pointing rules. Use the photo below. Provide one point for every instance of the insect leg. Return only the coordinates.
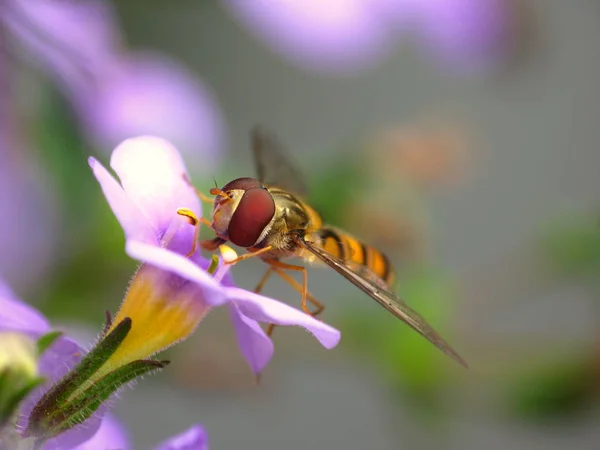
(320, 307)
(304, 288)
(258, 289)
(266, 249)
(264, 280)
(205, 198)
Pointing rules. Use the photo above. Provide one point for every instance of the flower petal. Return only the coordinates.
(152, 174)
(74, 40)
(167, 260)
(267, 310)
(18, 316)
(336, 36)
(254, 343)
(135, 224)
(79, 435)
(111, 434)
(151, 94)
(195, 438)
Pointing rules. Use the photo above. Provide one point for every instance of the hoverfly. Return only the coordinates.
(268, 216)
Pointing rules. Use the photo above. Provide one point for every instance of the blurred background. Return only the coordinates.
(459, 136)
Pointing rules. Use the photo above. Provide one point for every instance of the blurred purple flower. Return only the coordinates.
(467, 34)
(194, 438)
(113, 435)
(340, 36)
(332, 36)
(30, 210)
(146, 202)
(150, 94)
(30, 220)
(117, 94)
(62, 355)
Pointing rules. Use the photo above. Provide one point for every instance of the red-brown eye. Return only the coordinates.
(242, 183)
(253, 214)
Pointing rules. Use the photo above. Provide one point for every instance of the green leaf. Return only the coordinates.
(44, 342)
(60, 392)
(85, 404)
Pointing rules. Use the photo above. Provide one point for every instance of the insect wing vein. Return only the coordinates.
(272, 166)
(376, 288)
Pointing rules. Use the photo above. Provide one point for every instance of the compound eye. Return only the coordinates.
(243, 184)
(253, 214)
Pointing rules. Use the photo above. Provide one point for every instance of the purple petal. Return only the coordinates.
(254, 343)
(79, 435)
(111, 435)
(195, 438)
(152, 174)
(74, 39)
(268, 310)
(18, 316)
(135, 224)
(150, 94)
(332, 36)
(209, 290)
(468, 33)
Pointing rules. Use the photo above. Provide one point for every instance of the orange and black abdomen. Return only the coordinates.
(346, 247)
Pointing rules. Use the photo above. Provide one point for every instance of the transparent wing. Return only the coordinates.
(377, 289)
(272, 165)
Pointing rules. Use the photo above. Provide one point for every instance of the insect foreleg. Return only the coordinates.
(205, 198)
(266, 249)
(298, 287)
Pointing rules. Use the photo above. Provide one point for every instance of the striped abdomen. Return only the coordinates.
(346, 247)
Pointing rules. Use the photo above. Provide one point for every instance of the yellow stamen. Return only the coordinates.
(195, 222)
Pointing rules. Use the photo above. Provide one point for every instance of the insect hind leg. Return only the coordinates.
(278, 267)
(319, 307)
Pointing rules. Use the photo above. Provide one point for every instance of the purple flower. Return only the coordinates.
(171, 293)
(27, 242)
(54, 363)
(30, 216)
(340, 36)
(116, 93)
(332, 36)
(194, 438)
(100, 432)
(113, 435)
(467, 34)
(148, 93)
